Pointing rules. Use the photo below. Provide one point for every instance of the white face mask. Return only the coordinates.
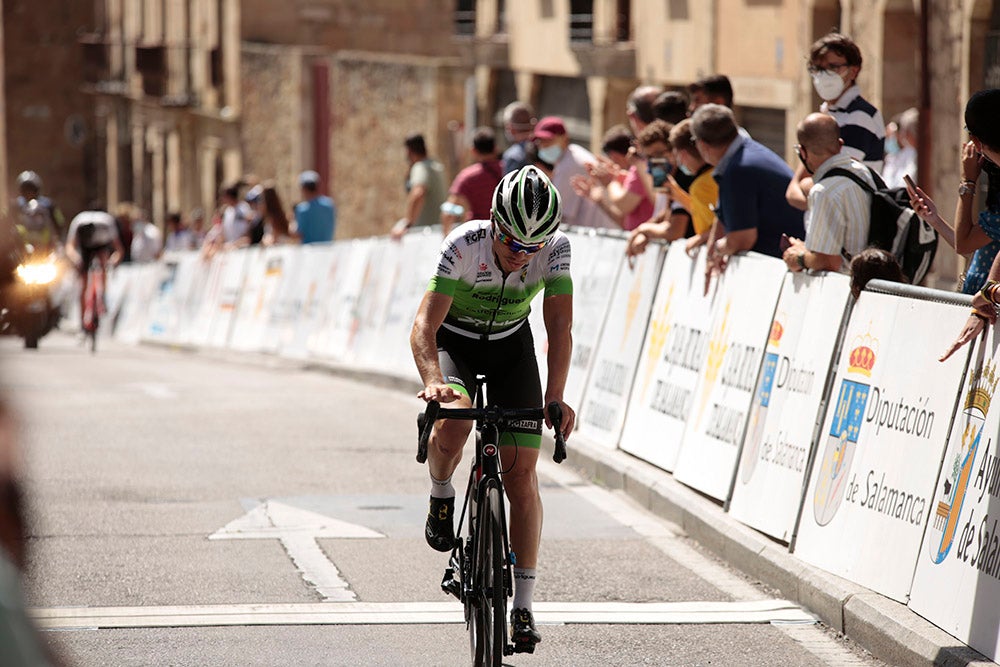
(828, 85)
(550, 154)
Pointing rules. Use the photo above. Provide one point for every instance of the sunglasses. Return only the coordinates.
(513, 244)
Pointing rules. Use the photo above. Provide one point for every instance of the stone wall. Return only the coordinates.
(375, 102)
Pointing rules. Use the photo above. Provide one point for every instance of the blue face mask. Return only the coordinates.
(550, 154)
(685, 170)
(891, 145)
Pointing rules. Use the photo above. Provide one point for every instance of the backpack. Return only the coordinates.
(895, 226)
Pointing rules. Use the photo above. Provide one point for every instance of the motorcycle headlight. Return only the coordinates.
(41, 273)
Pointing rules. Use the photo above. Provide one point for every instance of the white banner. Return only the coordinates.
(251, 312)
(788, 398)
(957, 583)
(307, 290)
(742, 314)
(381, 274)
(872, 483)
(671, 361)
(605, 399)
(346, 280)
(231, 279)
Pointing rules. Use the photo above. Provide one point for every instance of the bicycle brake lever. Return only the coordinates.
(555, 416)
(426, 422)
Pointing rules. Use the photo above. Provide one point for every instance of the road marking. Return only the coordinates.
(408, 613)
(298, 530)
(154, 390)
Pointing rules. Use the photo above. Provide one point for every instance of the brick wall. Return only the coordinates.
(375, 103)
(42, 78)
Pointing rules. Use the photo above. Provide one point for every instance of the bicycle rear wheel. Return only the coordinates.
(488, 629)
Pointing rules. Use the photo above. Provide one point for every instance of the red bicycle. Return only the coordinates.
(93, 301)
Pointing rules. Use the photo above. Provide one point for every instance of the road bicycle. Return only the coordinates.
(93, 303)
(480, 569)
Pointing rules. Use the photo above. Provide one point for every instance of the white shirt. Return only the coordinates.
(577, 210)
(839, 210)
(236, 221)
(147, 241)
(105, 229)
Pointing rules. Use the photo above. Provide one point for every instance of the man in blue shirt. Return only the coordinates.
(316, 214)
(752, 179)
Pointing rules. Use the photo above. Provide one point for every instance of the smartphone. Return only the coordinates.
(909, 182)
(785, 243)
(659, 168)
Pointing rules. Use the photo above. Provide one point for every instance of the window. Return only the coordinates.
(581, 20)
(465, 18)
(623, 21)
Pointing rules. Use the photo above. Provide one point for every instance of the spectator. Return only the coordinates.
(518, 123)
(639, 107)
(904, 159)
(616, 146)
(834, 64)
(471, 194)
(316, 214)
(752, 180)
(197, 226)
(125, 213)
(839, 209)
(255, 232)
(277, 228)
(424, 188)
(715, 89)
(236, 214)
(872, 263)
(981, 153)
(671, 107)
(147, 240)
(568, 160)
(531, 154)
(179, 237)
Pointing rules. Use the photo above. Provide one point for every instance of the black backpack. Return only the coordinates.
(895, 226)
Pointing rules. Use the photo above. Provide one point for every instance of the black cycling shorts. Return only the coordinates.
(511, 375)
(87, 255)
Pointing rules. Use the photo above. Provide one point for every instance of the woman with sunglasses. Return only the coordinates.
(473, 320)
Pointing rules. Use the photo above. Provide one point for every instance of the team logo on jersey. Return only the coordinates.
(958, 467)
(842, 440)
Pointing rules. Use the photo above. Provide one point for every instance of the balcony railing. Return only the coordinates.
(581, 28)
(465, 23)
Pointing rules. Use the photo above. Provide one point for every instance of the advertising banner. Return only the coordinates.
(230, 286)
(605, 398)
(288, 292)
(307, 288)
(957, 583)
(741, 319)
(376, 293)
(788, 396)
(871, 489)
(671, 362)
(349, 273)
(250, 315)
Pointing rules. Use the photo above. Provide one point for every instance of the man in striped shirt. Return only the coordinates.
(839, 209)
(834, 64)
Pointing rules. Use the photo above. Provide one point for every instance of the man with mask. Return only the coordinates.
(834, 64)
(518, 122)
(569, 160)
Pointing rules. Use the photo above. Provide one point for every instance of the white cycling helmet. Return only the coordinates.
(29, 178)
(527, 206)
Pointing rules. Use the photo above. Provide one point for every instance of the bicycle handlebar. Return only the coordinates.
(434, 412)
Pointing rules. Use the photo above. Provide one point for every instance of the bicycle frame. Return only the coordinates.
(486, 476)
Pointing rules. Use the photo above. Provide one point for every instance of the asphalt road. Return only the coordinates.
(239, 511)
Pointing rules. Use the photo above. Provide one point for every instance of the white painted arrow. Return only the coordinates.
(298, 530)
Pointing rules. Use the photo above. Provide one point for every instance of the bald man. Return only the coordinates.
(839, 209)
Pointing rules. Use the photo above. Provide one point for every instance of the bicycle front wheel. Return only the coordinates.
(489, 623)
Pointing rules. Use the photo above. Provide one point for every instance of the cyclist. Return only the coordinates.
(473, 320)
(92, 234)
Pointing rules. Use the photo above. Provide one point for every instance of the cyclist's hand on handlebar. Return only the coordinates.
(439, 392)
(568, 417)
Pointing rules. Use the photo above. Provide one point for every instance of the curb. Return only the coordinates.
(888, 630)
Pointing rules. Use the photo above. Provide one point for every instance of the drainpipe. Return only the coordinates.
(924, 143)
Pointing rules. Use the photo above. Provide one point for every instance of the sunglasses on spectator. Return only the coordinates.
(513, 244)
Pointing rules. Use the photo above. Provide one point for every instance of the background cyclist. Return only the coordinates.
(92, 234)
(473, 320)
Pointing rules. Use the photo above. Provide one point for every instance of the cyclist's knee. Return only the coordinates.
(521, 483)
(450, 436)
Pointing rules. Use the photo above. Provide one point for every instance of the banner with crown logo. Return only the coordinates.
(957, 583)
(877, 458)
(671, 361)
(605, 398)
(787, 398)
(741, 319)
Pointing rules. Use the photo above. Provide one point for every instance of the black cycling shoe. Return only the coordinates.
(440, 532)
(523, 634)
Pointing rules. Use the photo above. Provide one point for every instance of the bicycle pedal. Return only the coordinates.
(521, 647)
(451, 585)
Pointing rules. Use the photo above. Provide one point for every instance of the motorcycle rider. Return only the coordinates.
(38, 220)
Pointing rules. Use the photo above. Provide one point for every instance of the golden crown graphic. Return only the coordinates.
(777, 331)
(981, 388)
(862, 358)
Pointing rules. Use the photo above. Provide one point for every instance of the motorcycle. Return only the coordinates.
(27, 305)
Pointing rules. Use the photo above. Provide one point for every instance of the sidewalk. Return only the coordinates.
(887, 629)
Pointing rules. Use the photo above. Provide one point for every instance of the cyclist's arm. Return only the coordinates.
(118, 251)
(423, 341)
(557, 312)
(72, 251)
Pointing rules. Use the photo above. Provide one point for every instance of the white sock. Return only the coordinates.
(524, 588)
(442, 488)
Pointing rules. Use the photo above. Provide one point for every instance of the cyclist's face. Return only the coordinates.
(509, 260)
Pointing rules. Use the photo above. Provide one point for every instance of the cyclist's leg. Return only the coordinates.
(84, 269)
(103, 255)
(516, 384)
(444, 451)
